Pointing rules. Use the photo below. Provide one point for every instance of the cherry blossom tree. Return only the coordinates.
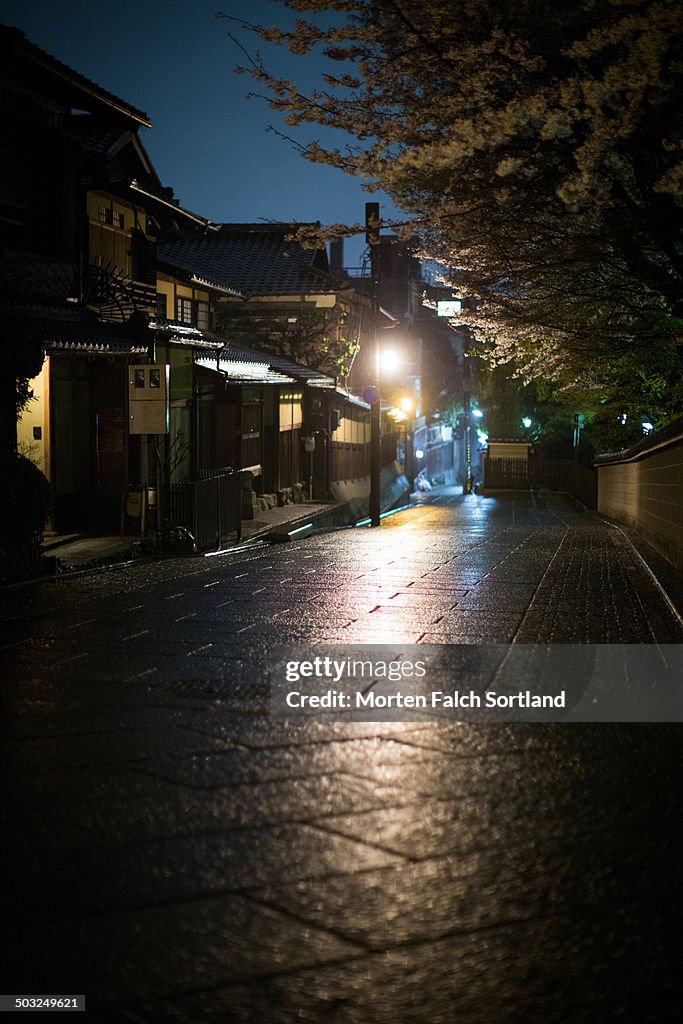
(536, 150)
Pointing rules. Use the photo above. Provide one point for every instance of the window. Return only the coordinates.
(184, 310)
(291, 410)
(191, 311)
(203, 316)
(161, 306)
(106, 215)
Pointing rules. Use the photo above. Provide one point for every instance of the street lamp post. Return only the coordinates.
(372, 238)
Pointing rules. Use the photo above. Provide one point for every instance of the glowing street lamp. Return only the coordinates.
(390, 361)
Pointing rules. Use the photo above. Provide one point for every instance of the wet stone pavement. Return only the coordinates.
(178, 855)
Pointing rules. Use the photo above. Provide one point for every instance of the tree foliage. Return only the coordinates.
(321, 339)
(537, 151)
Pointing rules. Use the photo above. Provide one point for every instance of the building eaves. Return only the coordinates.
(93, 346)
(351, 398)
(176, 333)
(103, 141)
(170, 204)
(55, 329)
(16, 45)
(390, 316)
(279, 364)
(244, 371)
(205, 283)
(302, 373)
(197, 280)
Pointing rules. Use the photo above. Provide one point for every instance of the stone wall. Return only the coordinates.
(394, 488)
(642, 487)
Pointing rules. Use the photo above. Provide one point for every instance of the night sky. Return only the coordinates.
(174, 60)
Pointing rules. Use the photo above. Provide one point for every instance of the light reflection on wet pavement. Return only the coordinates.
(177, 855)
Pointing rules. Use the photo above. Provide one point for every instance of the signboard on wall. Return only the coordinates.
(448, 307)
(148, 388)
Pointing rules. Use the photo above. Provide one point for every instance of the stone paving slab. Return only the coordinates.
(240, 939)
(169, 871)
(179, 855)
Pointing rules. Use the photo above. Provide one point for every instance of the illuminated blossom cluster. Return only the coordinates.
(535, 148)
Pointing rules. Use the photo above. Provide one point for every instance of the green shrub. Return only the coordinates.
(24, 504)
(24, 498)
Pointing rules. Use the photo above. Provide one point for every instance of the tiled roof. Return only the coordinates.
(246, 370)
(80, 334)
(302, 373)
(281, 364)
(95, 135)
(115, 155)
(183, 334)
(14, 45)
(250, 258)
(244, 363)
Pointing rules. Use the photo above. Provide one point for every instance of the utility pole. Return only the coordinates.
(372, 224)
(467, 489)
(467, 421)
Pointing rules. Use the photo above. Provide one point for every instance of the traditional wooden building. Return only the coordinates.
(281, 309)
(81, 207)
(106, 283)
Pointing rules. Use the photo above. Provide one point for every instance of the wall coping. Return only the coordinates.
(668, 435)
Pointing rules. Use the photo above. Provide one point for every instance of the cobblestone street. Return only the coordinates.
(177, 854)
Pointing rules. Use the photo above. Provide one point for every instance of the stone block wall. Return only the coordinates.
(642, 487)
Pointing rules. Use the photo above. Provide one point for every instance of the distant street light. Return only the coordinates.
(390, 361)
(526, 422)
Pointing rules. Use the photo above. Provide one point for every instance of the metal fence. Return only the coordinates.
(211, 509)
